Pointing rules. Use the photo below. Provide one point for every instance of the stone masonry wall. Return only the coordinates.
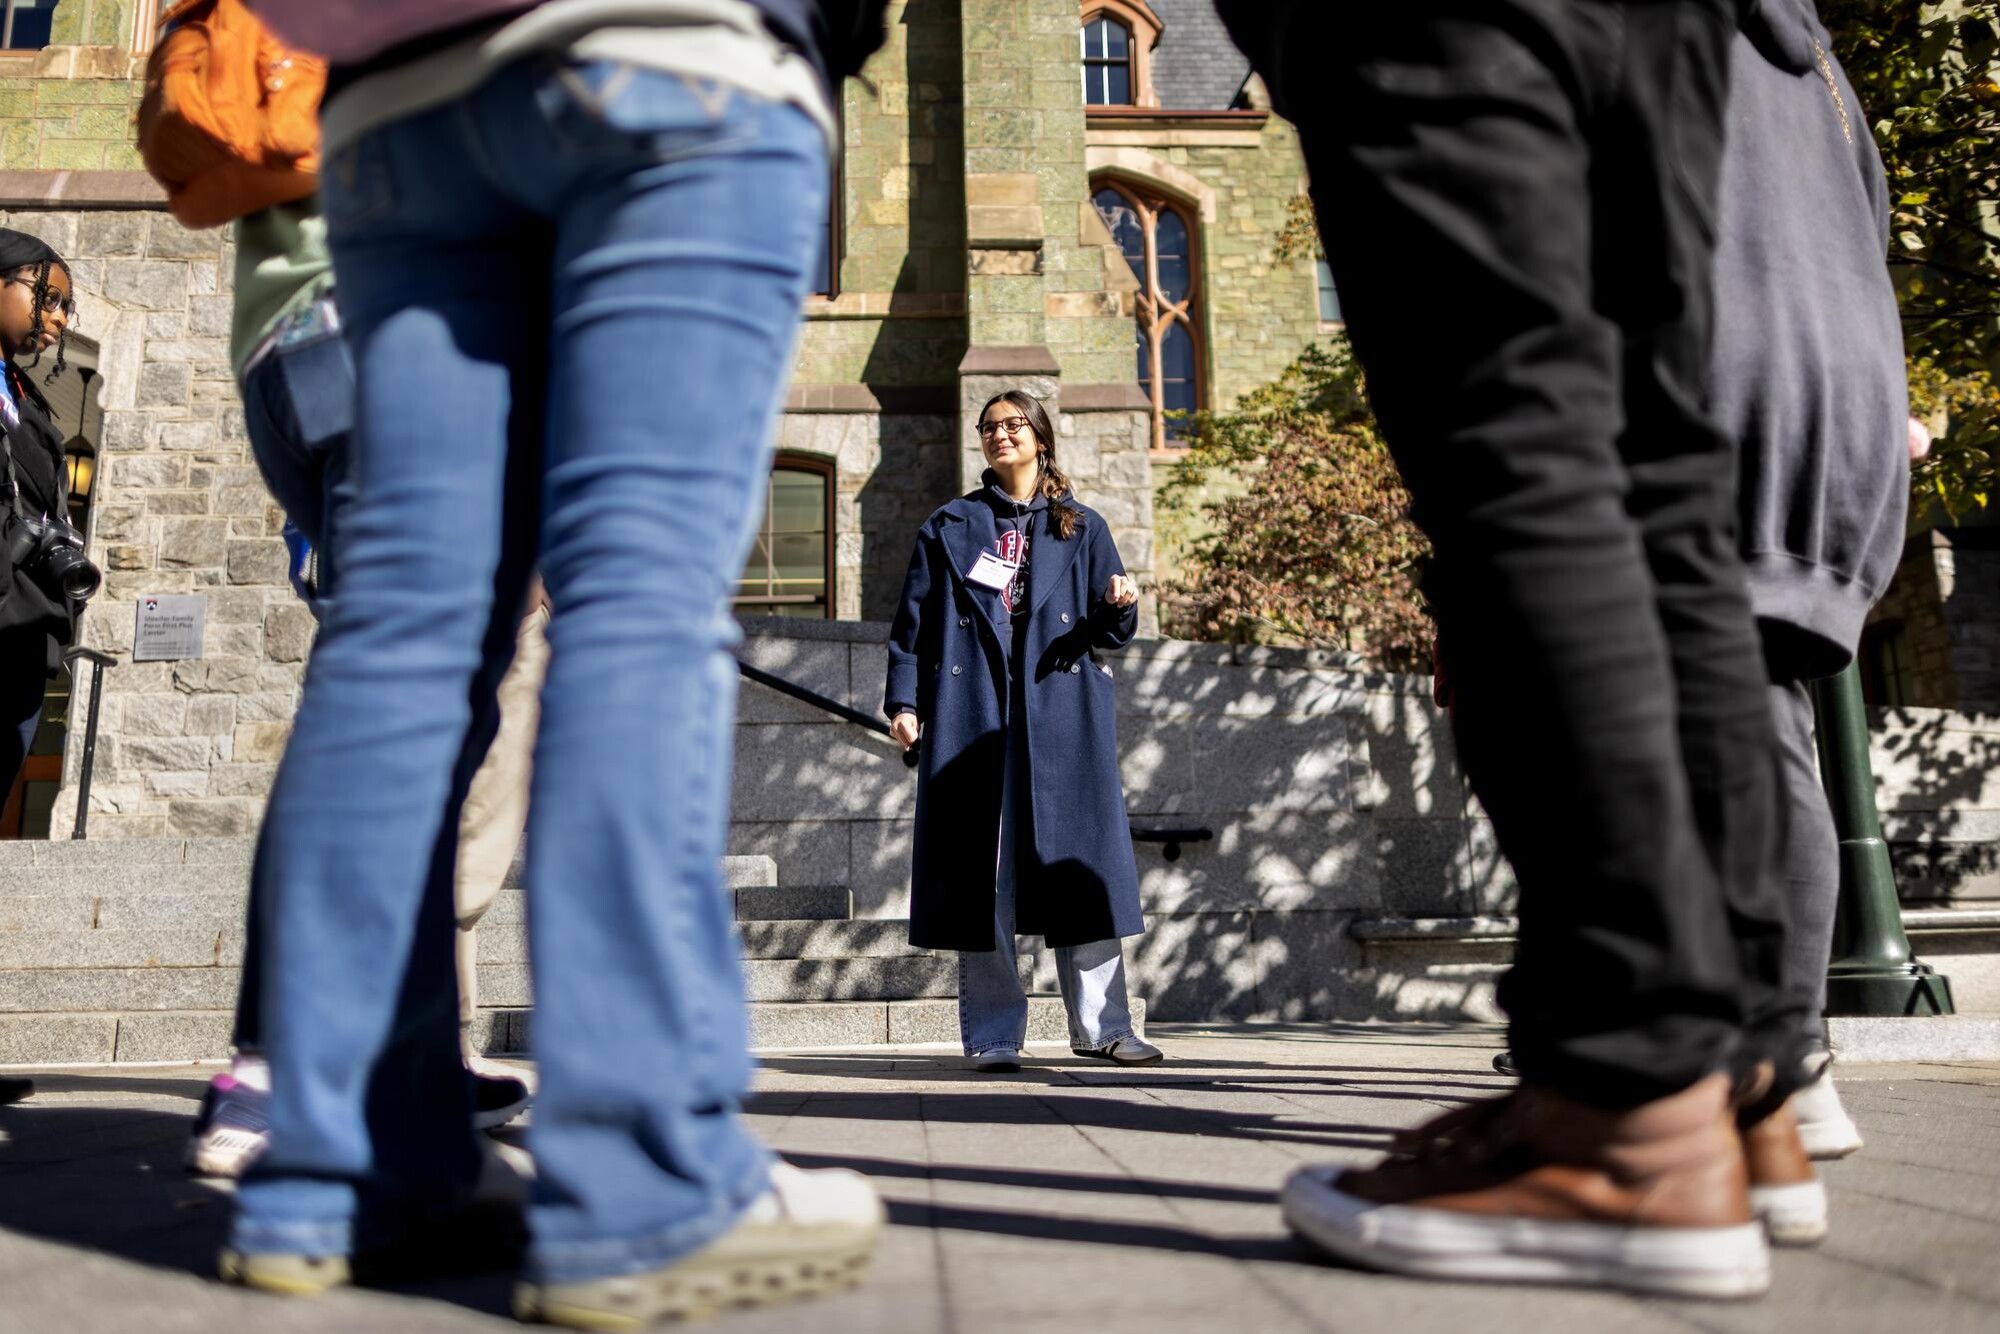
(1335, 800)
(178, 507)
(1969, 580)
(890, 472)
(69, 106)
(1916, 598)
(899, 317)
(1261, 311)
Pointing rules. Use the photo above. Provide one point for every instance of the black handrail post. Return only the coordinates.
(99, 662)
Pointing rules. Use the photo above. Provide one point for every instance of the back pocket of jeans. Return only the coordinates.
(611, 109)
(356, 183)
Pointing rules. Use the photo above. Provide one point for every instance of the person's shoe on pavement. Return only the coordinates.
(498, 1098)
(1784, 1190)
(1824, 1125)
(1538, 1188)
(1124, 1051)
(999, 1061)
(810, 1233)
(13, 1090)
(234, 1122)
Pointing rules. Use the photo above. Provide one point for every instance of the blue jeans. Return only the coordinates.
(993, 1007)
(572, 298)
(298, 410)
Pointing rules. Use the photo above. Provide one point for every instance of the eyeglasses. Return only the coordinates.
(1011, 425)
(52, 300)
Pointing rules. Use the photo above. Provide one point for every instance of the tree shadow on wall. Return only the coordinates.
(1333, 795)
(1935, 782)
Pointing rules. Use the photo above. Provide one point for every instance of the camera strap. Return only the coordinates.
(10, 410)
(13, 478)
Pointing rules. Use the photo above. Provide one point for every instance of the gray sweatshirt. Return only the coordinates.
(1808, 372)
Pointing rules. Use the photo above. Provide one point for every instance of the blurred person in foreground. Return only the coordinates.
(1555, 166)
(255, 167)
(573, 242)
(1808, 378)
(297, 381)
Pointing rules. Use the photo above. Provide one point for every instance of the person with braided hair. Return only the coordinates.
(36, 307)
(994, 665)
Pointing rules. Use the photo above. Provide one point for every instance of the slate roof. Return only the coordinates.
(1195, 67)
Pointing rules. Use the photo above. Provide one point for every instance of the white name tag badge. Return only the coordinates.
(989, 571)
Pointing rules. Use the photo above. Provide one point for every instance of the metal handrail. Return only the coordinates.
(822, 702)
(89, 764)
(1171, 835)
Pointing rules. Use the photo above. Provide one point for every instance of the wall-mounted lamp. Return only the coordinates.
(80, 461)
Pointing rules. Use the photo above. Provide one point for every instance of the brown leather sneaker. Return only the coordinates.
(1538, 1188)
(1784, 1190)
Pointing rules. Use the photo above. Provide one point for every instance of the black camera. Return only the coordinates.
(50, 550)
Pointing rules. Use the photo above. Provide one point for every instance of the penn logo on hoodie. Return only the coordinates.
(1013, 549)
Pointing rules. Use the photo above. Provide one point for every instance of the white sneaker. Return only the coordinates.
(999, 1061)
(810, 1233)
(1824, 1126)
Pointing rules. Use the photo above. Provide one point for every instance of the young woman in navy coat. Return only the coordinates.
(994, 671)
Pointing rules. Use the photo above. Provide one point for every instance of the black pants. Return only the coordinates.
(24, 680)
(1517, 198)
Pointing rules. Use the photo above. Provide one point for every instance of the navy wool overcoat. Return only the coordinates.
(1075, 876)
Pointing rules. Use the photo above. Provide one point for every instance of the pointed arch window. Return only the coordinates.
(1159, 242)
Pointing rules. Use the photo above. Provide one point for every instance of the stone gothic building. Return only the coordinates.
(1079, 197)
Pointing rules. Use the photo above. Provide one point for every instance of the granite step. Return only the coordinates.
(203, 865)
(915, 977)
(202, 1034)
(192, 980)
(507, 942)
(795, 903)
(186, 906)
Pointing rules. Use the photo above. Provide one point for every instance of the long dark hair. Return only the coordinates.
(1050, 480)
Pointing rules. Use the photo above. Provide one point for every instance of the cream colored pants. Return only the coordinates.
(496, 806)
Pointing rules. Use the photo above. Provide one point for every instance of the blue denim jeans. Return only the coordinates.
(572, 298)
(298, 410)
(993, 1007)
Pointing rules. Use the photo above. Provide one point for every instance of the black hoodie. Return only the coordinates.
(1017, 520)
(1808, 373)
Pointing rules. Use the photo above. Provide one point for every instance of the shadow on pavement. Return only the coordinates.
(109, 1179)
(1028, 1178)
(1065, 1070)
(1008, 1108)
(1096, 1232)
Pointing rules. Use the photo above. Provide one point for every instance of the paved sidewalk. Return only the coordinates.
(1070, 1197)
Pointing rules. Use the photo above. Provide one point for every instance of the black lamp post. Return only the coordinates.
(1874, 971)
